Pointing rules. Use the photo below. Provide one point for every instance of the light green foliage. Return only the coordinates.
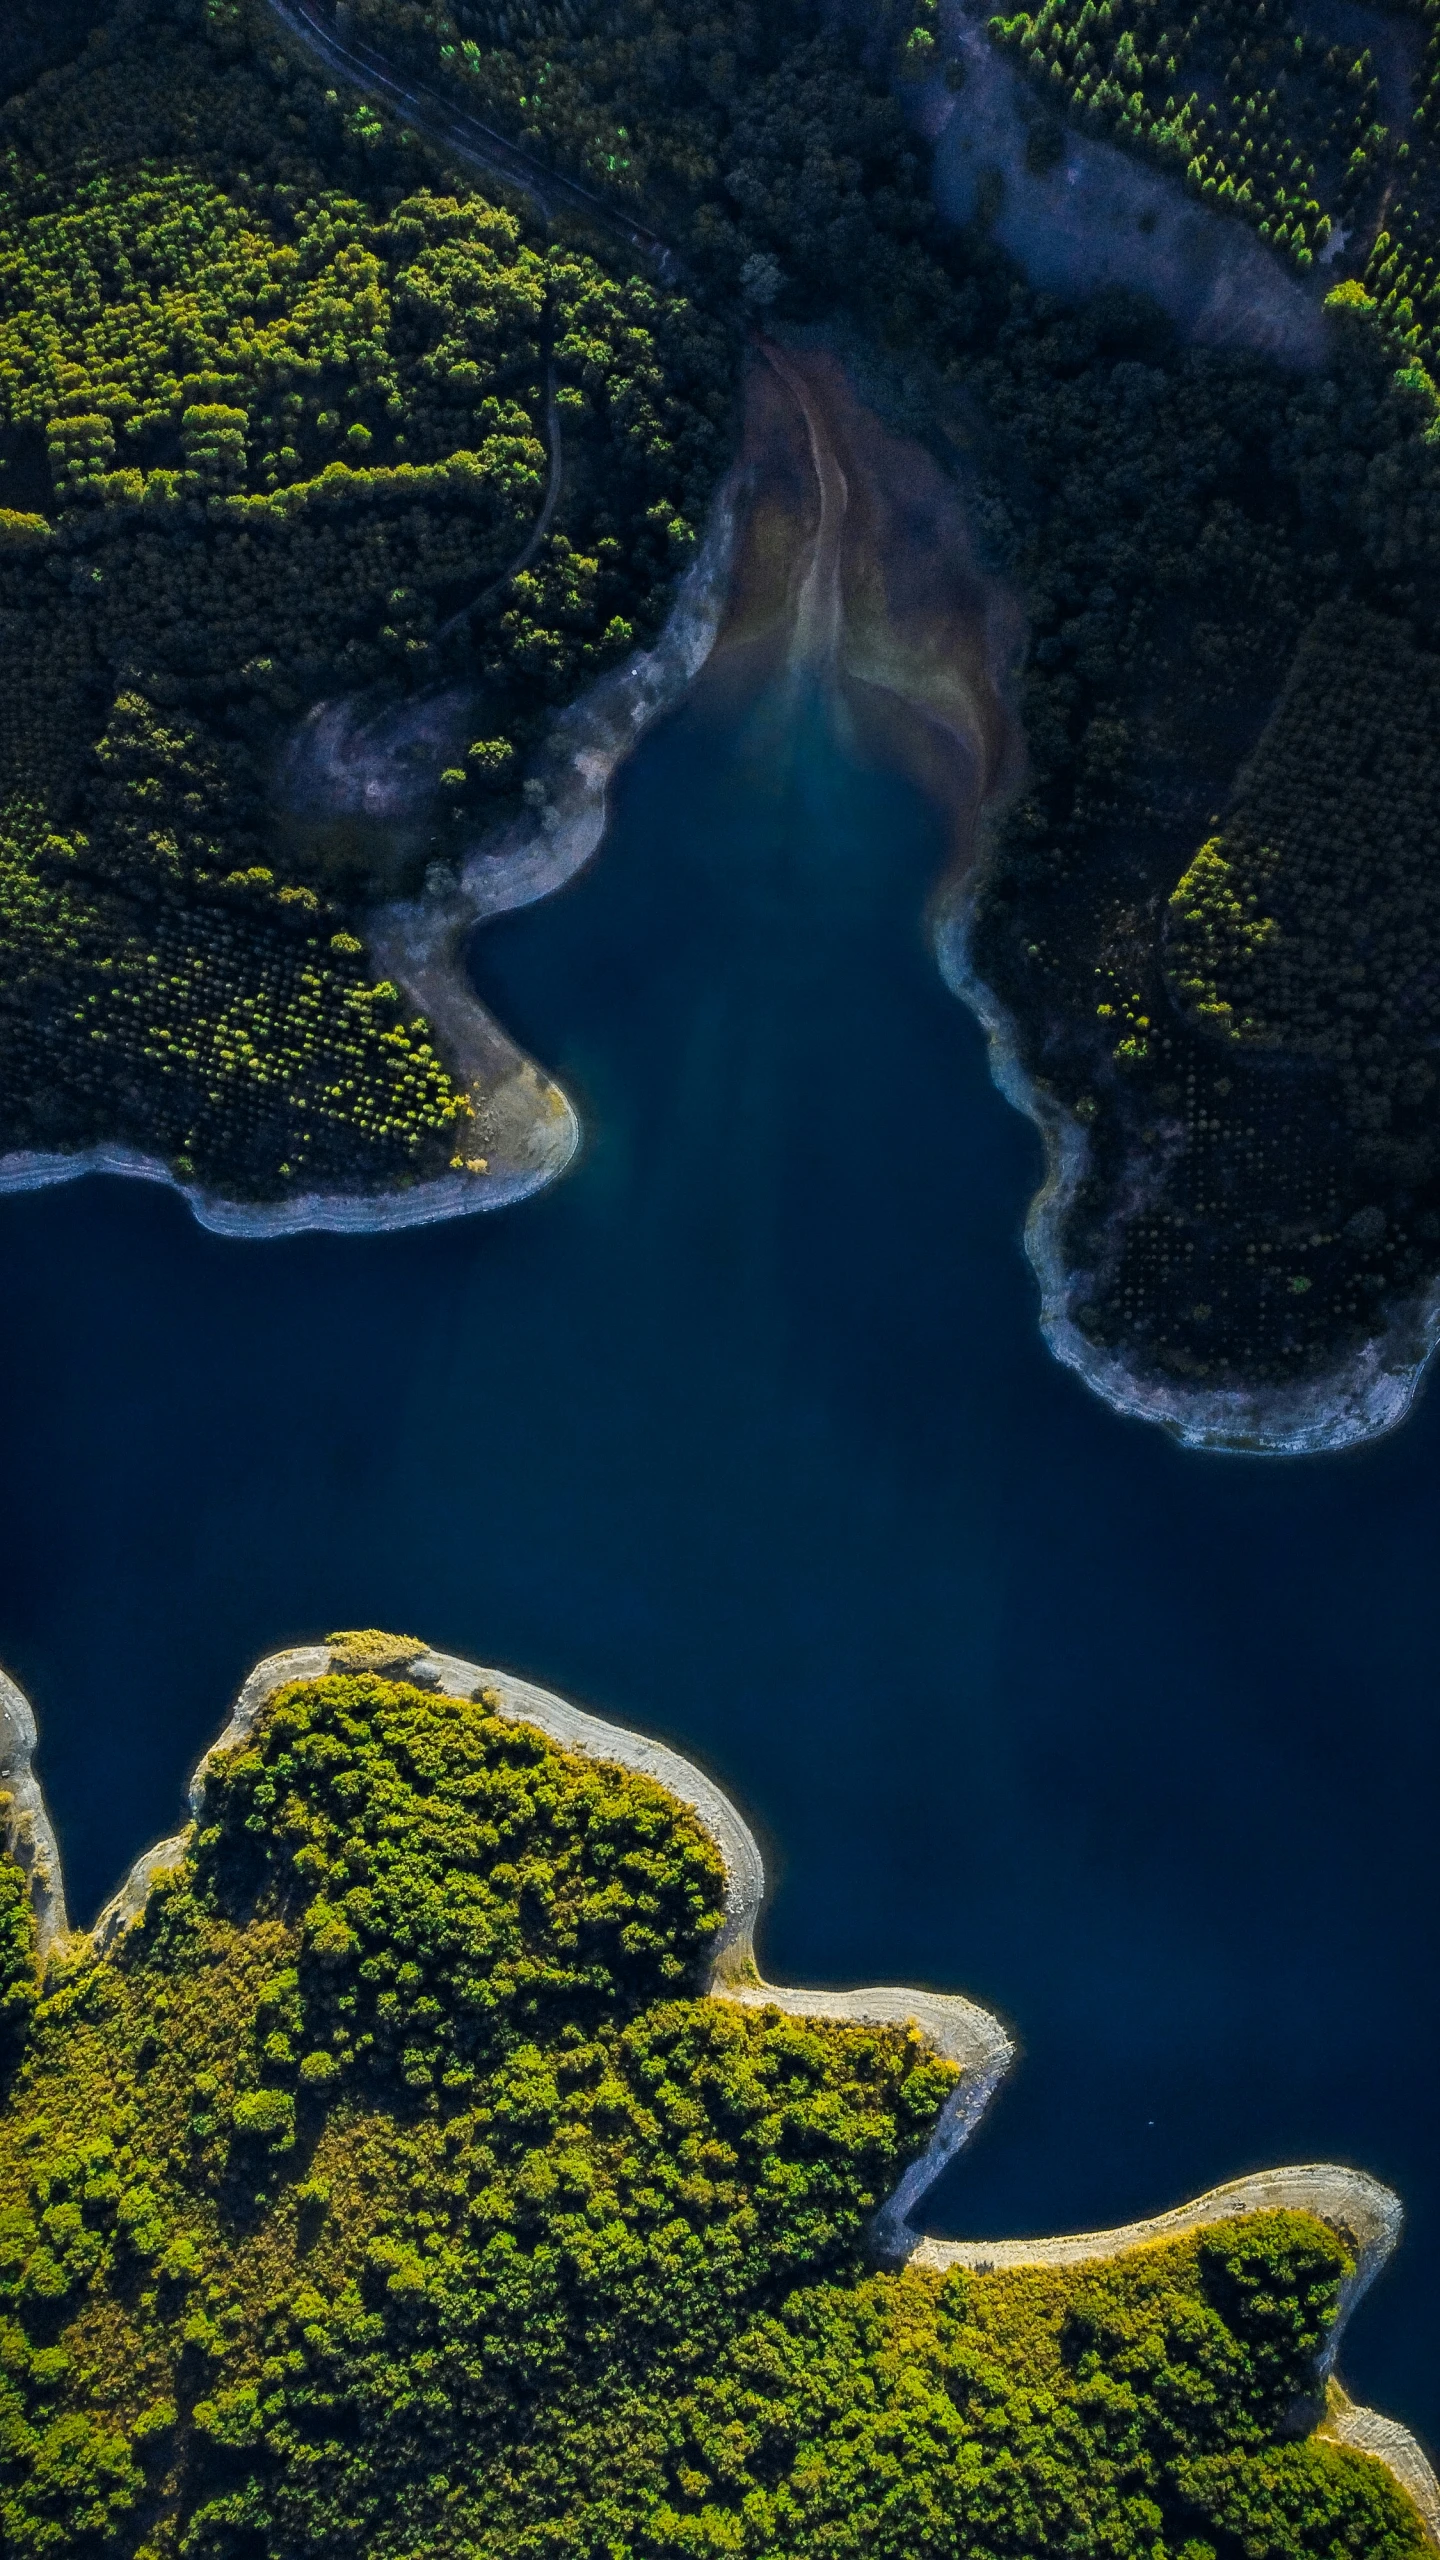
(224, 1026)
(744, 130)
(1400, 273)
(1220, 937)
(1267, 118)
(277, 406)
(390, 2191)
(1128, 2410)
(1273, 117)
(1174, 518)
(411, 367)
(371, 1649)
(1332, 828)
(389, 1817)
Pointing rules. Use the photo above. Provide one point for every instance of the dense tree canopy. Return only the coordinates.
(273, 407)
(284, 399)
(390, 2189)
(766, 139)
(1219, 937)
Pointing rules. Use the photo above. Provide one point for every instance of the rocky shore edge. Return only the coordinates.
(1367, 2215)
(525, 1131)
(1341, 1409)
(25, 1823)
(958, 2028)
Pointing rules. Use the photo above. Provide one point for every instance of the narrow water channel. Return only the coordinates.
(745, 1433)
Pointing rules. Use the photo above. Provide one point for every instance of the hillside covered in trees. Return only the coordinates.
(282, 393)
(275, 407)
(1215, 904)
(392, 2188)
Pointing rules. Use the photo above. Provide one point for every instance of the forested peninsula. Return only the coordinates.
(297, 409)
(412, 2162)
(279, 405)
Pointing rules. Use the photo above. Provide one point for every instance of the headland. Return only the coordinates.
(1362, 2213)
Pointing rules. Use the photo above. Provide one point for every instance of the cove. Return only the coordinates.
(744, 1433)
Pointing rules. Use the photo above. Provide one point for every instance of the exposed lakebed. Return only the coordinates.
(744, 1433)
(1094, 216)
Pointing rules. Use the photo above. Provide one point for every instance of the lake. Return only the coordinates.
(745, 1433)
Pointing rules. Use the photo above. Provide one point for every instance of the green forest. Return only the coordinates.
(1223, 859)
(281, 396)
(274, 409)
(1198, 536)
(390, 2188)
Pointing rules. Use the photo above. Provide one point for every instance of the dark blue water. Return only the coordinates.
(745, 1433)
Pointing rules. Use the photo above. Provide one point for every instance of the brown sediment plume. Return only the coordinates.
(854, 570)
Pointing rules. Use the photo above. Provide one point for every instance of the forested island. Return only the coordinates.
(396, 2172)
(294, 408)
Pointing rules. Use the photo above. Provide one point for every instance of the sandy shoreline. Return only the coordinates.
(525, 1131)
(1367, 2216)
(1340, 1410)
(1369, 2431)
(456, 1195)
(420, 943)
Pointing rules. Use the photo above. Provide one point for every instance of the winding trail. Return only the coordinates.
(475, 145)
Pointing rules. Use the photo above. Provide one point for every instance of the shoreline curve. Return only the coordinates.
(959, 2028)
(525, 1124)
(25, 1825)
(1344, 1408)
(1365, 2214)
